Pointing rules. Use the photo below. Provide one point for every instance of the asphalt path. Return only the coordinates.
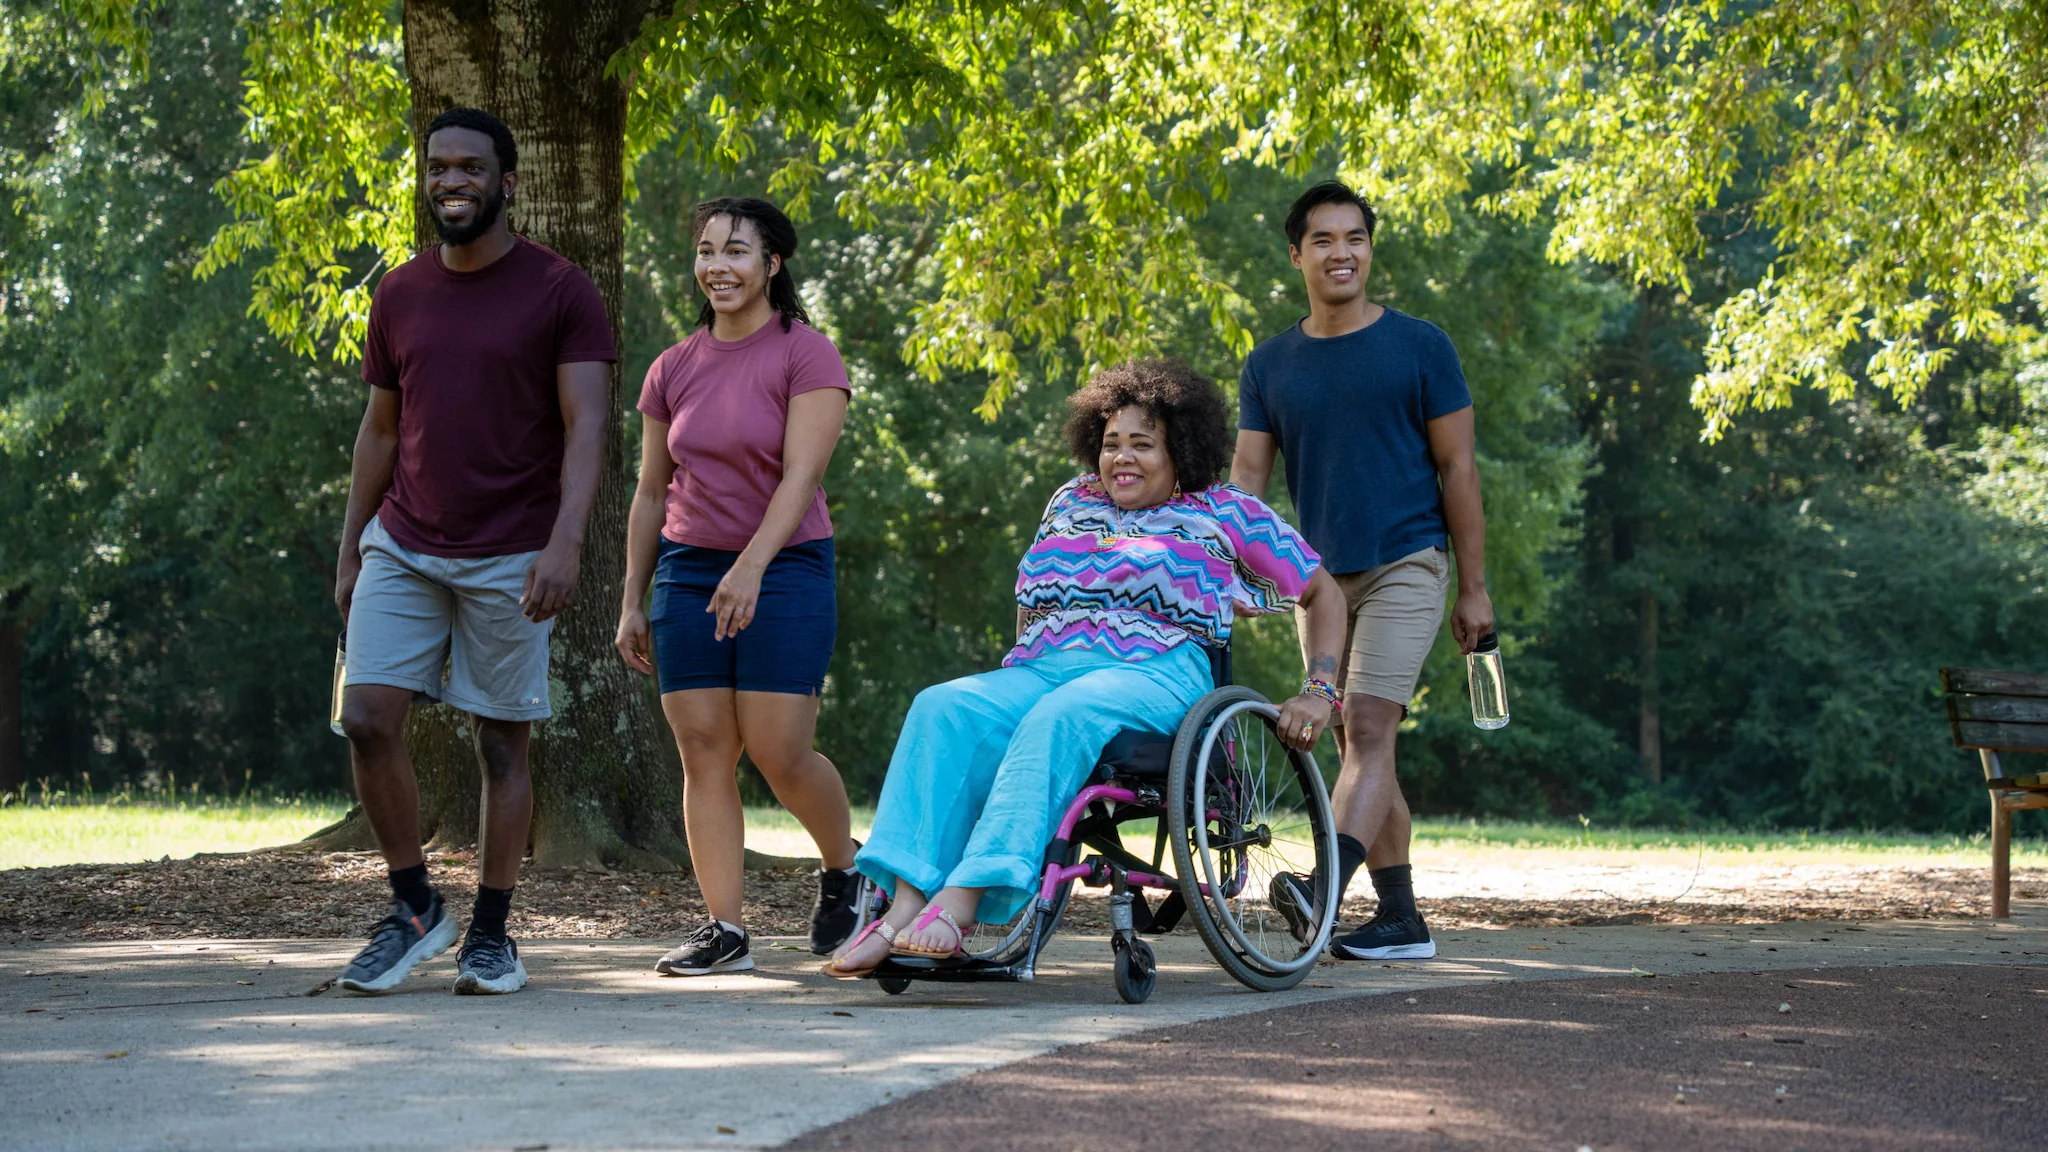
(1905, 1059)
(215, 1044)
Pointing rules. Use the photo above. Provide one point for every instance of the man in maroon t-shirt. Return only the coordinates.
(474, 474)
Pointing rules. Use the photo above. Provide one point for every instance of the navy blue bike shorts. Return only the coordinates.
(786, 649)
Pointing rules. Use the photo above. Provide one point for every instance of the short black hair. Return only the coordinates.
(1188, 407)
(478, 120)
(1327, 192)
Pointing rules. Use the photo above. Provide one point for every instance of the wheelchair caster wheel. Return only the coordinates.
(1136, 970)
(893, 985)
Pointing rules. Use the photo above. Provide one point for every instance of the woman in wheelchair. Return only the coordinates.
(1136, 572)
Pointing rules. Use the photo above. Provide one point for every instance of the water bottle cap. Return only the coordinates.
(1487, 643)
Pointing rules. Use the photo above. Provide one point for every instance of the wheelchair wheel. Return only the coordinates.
(1241, 809)
(1137, 971)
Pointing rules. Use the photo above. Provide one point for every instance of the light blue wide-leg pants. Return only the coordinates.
(986, 765)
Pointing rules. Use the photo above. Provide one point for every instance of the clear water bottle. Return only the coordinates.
(1489, 687)
(340, 677)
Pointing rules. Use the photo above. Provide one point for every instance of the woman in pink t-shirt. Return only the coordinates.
(729, 529)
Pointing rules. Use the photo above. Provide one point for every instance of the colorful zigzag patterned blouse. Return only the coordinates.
(1136, 584)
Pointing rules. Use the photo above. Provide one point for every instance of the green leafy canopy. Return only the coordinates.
(1059, 152)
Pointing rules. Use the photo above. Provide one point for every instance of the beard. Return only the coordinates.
(488, 208)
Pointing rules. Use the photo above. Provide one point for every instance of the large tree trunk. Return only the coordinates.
(13, 770)
(606, 785)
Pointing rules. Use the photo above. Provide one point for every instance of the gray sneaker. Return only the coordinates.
(488, 966)
(398, 944)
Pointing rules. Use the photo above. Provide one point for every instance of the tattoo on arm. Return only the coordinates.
(1323, 667)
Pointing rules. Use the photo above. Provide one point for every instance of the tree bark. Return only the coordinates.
(607, 789)
(1649, 732)
(13, 766)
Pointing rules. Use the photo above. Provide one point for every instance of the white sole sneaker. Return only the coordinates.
(743, 964)
(1423, 951)
(471, 984)
(435, 942)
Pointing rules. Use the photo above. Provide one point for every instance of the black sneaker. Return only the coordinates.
(1291, 896)
(488, 966)
(1386, 938)
(398, 943)
(712, 948)
(833, 918)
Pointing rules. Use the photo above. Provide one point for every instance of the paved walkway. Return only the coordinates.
(213, 1045)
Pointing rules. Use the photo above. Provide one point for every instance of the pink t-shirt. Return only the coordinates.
(727, 406)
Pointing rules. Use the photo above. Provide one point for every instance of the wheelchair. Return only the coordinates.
(1228, 806)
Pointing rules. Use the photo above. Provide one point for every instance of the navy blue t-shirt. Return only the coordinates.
(1350, 414)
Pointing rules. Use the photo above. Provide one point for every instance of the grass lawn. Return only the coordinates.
(36, 834)
(120, 832)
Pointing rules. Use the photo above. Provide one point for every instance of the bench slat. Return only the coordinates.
(2036, 782)
(1994, 682)
(2000, 737)
(2010, 709)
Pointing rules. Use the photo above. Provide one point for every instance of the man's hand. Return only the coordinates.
(551, 582)
(348, 568)
(1471, 619)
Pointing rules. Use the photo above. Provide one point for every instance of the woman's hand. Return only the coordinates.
(736, 598)
(634, 641)
(1302, 720)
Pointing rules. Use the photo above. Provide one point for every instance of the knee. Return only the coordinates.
(1371, 723)
(370, 724)
(503, 751)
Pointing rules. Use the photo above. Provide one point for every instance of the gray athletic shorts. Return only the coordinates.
(447, 628)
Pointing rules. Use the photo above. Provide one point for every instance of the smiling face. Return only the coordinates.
(734, 266)
(465, 190)
(1335, 254)
(1135, 469)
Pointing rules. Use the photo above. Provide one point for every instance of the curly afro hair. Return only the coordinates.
(1189, 408)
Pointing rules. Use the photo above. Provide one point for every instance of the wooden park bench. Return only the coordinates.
(1995, 712)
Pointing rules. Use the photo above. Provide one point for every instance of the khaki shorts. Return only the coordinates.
(1392, 616)
(450, 629)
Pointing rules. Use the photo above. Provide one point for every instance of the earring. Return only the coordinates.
(1176, 487)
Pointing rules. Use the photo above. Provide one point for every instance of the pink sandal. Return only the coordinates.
(876, 927)
(932, 912)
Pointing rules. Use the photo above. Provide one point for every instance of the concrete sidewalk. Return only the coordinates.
(214, 1045)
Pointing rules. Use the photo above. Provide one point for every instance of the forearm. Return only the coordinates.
(582, 458)
(1323, 603)
(643, 545)
(1464, 515)
(785, 511)
(376, 455)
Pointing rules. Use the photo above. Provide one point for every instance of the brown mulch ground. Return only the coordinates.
(295, 894)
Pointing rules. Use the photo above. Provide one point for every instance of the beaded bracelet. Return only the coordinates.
(1316, 686)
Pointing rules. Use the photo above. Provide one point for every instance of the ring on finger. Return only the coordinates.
(1306, 729)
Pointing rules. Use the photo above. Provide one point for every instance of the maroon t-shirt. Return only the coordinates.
(472, 356)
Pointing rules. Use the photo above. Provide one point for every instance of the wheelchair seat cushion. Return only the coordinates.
(1137, 755)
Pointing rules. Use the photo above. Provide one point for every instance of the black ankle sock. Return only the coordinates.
(491, 906)
(410, 885)
(1350, 857)
(1395, 887)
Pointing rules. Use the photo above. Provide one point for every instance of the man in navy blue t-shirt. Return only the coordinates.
(1370, 411)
